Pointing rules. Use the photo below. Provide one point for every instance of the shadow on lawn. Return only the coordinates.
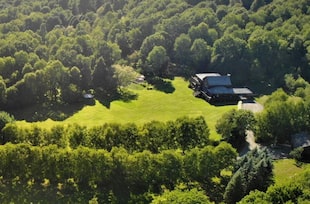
(162, 85)
(124, 95)
(60, 112)
(54, 111)
(127, 95)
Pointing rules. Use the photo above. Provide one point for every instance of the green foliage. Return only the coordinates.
(289, 193)
(253, 171)
(181, 48)
(52, 51)
(297, 154)
(257, 41)
(50, 174)
(157, 61)
(124, 75)
(234, 124)
(5, 118)
(201, 54)
(184, 133)
(191, 133)
(178, 197)
(2, 91)
(293, 84)
(283, 116)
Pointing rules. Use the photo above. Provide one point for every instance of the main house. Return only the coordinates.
(214, 88)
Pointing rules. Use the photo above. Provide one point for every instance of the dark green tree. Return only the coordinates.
(157, 39)
(181, 49)
(234, 191)
(253, 171)
(2, 91)
(103, 77)
(234, 124)
(192, 132)
(201, 55)
(157, 61)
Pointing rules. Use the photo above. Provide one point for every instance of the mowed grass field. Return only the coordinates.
(150, 105)
(286, 171)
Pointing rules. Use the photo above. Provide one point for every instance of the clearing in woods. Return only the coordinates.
(150, 105)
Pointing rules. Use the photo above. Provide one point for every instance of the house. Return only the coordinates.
(214, 88)
(302, 140)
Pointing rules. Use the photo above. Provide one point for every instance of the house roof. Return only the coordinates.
(220, 90)
(229, 90)
(202, 76)
(218, 81)
(301, 140)
(242, 91)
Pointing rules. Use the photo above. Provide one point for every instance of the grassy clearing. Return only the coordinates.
(286, 171)
(150, 105)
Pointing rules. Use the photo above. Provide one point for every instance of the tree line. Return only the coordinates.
(184, 133)
(174, 157)
(51, 174)
(68, 47)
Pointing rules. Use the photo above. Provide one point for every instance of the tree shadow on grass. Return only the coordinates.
(54, 111)
(124, 95)
(60, 112)
(161, 85)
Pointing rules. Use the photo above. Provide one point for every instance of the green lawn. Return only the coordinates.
(286, 171)
(150, 105)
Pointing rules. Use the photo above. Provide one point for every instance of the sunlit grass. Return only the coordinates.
(285, 171)
(150, 105)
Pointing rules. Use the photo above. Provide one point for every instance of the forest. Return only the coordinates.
(52, 52)
(69, 47)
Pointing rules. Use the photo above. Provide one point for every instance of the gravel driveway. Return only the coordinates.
(252, 106)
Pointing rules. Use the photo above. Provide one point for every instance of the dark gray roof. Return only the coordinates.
(220, 90)
(229, 90)
(218, 81)
(301, 140)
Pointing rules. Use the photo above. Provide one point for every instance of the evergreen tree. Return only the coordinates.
(253, 171)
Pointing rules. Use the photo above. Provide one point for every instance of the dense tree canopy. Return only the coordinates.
(233, 126)
(257, 41)
(53, 51)
(50, 174)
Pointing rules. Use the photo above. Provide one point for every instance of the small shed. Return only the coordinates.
(140, 79)
(302, 140)
(88, 96)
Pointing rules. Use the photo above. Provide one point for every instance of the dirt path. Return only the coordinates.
(250, 139)
(253, 106)
(277, 152)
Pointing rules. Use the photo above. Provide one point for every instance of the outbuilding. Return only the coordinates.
(302, 140)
